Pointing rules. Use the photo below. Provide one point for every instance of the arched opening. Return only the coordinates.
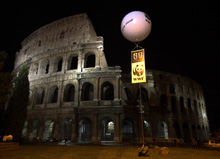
(53, 94)
(163, 100)
(186, 133)
(147, 129)
(87, 92)
(40, 96)
(177, 130)
(107, 91)
(173, 104)
(107, 130)
(47, 68)
(48, 130)
(85, 130)
(66, 129)
(72, 63)
(69, 93)
(162, 130)
(34, 130)
(59, 65)
(89, 60)
(128, 130)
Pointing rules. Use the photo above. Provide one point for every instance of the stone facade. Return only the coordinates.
(74, 95)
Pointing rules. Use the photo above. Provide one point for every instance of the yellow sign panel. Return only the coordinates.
(138, 74)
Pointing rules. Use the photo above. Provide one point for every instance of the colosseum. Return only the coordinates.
(76, 96)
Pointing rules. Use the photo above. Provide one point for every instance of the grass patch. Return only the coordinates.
(100, 152)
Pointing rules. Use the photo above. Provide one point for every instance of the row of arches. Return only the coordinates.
(192, 106)
(47, 66)
(107, 93)
(107, 130)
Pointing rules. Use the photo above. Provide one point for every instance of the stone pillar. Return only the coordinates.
(65, 63)
(95, 133)
(60, 93)
(154, 128)
(78, 91)
(74, 132)
(97, 59)
(80, 62)
(51, 66)
(117, 88)
(56, 130)
(171, 130)
(117, 126)
(46, 96)
(41, 130)
(96, 90)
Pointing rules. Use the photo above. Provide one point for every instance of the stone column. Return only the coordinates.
(171, 130)
(65, 63)
(74, 131)
(46, 95)
(96, 90)
(95, 133)
(117, 88)
(41, 130)
(80, 62)
(154, 128)
(60, 93)
(56, 130)
(117, 134)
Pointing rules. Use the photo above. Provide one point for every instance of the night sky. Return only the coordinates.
(185, 38)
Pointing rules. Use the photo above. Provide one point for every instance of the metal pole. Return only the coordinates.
(141, 113)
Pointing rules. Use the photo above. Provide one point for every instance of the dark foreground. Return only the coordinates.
(100, 152)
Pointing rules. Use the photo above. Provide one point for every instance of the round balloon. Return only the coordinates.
(136, 26)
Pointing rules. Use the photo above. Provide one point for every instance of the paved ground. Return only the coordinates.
(100, 152)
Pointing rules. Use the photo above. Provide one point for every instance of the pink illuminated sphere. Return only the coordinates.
(136, 26)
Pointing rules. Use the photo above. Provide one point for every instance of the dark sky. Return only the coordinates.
(185, 38)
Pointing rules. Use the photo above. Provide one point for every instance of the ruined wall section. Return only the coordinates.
(62, 33)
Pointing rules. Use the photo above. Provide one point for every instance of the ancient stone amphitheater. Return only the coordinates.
(74, 95)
